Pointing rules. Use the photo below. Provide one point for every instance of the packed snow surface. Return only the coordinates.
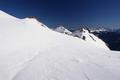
(29, 50)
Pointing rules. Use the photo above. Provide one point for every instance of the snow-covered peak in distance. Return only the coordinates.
(87, 36)
(29, 51)
(62, 29)
(98, 30)
(95, 29)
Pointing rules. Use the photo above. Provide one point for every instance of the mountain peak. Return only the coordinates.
(62, 29)
(33, 20)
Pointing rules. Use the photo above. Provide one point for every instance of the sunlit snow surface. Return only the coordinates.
(31, 51)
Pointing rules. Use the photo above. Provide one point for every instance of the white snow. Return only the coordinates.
(31, 51)
(89, 37)
(62, 29)
(98, 30)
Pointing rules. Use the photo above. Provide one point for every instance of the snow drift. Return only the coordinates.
(29, 50)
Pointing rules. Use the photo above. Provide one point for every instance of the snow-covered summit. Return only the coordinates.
(29, 51)
(34, 21)
(62, 29)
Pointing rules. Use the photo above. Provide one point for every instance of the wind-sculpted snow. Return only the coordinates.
(29, 50)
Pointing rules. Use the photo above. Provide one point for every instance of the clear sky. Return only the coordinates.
(70, 13)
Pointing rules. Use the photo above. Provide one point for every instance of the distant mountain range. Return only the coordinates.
(110, 36)
(84, 34)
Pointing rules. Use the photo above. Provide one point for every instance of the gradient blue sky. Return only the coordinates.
(70, 13)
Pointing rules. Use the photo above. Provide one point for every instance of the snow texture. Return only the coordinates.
(29, 50)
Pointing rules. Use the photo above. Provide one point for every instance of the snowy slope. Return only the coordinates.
(89, 37)
(62, 29)
(31, 51)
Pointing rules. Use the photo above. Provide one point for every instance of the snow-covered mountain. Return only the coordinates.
(87, 36)
(31, 51)
(98, 30)
(83, 34)
(62, 29)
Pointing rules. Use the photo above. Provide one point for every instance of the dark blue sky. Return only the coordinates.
(70, 13)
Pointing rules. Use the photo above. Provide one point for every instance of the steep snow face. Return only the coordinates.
(29, 51)
(62, 29)
(87, 36)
